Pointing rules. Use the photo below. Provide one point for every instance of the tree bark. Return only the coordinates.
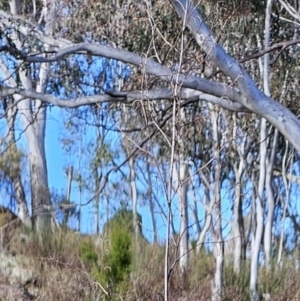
(208, 205)
(151, 204)
(183, 231)
(217, 283)
(134, 196)
(259, 213)
(183, 201)
(23, 213)
(238, 222)
(270, 203)
(34, 121)
(287, 187)
(40, 195)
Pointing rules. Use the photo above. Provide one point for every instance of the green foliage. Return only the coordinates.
(87, 253)
(119, 258)
(123, 218)
(11, 161)
(103, 155)
(4, 5)
(116, 264)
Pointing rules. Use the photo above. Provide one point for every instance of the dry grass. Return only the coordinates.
(55, 270)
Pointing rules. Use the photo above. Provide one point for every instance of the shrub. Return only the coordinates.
(87, 253)
(115, 267)
(119, 257)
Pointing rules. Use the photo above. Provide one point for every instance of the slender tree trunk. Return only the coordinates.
(217, 283)
(259, 212)
(23, 213)
(134, 196)
(238, 226)
(183, 202)
(96, 204)
(169, 202)
(252, 230)
(151, 205)
(287, 187)
(195, 201)
(262, 169)
(68, 196)
(270, 162)
(183, 231)
(238, 222)
(270, 203)
(208, 205)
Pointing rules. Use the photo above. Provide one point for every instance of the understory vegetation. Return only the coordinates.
(71, 266)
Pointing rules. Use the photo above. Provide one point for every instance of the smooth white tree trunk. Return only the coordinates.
(271, 158)
(66, 211)
(151, 204)
(40, 195)
(218, 243)
(183, 201)
(259, 213)
(287, 187)
(183, 231)
(270, 203)
(23, 213)
(208, 207)
(262, 170)
(97, 201)
(134, 196)
(238, 221)
(33, 118)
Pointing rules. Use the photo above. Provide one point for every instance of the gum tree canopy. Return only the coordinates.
(242, 95)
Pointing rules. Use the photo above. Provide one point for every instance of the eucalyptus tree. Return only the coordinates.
(177, 61)
(32, 114)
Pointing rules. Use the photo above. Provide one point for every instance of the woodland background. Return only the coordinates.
(177, 140)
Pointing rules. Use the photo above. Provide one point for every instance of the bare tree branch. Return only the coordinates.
(282, 46)
(124, 97)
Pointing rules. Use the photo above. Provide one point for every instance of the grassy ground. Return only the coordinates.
(70, 266)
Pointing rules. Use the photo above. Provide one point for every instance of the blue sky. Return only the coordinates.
(98, 75)
(106, 72)
(58, 160)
